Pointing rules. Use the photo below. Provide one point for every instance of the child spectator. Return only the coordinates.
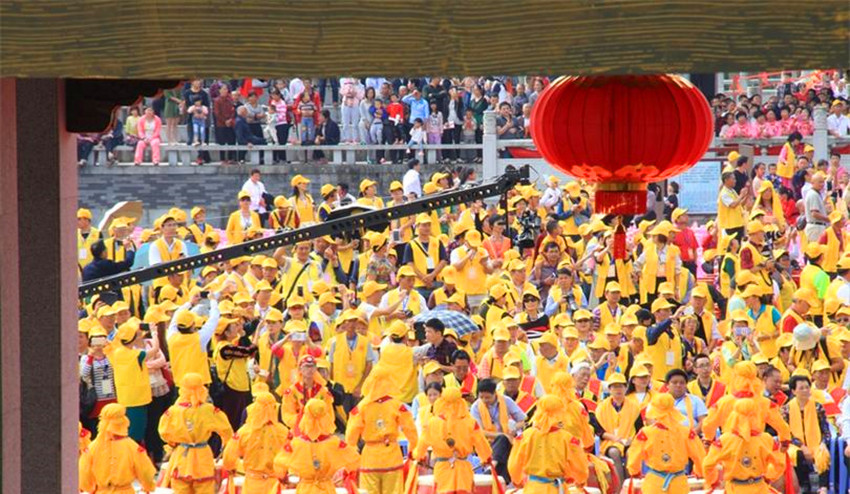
(199, 114)
(307, 109)
(467, 136)
(376, 129)
(417, 138)
(434, 126)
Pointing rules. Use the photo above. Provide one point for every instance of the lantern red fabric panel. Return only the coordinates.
(622, 132)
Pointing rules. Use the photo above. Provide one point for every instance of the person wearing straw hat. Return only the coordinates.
(749, 458)
(113, 462)
(730, 211)
(316, 455)
(241, 220)
(810, 435)
(620, 419)
(547, 457)
(665, 447)
(814, 278)
(378, 420)
(256, 443)
(187, 427)
(452, 435)
(659, 262)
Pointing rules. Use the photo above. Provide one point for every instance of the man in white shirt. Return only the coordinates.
(838, 123)
(256, 188)
(412, 182)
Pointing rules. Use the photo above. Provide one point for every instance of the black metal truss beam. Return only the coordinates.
(336, 227)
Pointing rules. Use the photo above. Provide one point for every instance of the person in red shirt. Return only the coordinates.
(685, 240)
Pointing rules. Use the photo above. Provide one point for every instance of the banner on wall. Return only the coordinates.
(698, 187)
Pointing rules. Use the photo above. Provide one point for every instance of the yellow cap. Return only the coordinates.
(327, 189)
(84, 213)
(186, 319)
(298, 179)
(530, 291)
(197, 210)
(616, 378)
(295, 301)
(661, 303)
(243, 194)
(458, 298)
(127, 331)
(665, 228)
(813, 250)
(474, 238)
(274, 315)
(372, 287)
(405, 270)
(397, 328)
(498, 291)
(365, 184)
(511, 373)
(613, 329)
(548, 337)
(430, 368)
(612, 286)
(295, 326)
(752, 290)
(242, 298)
(262, 286)
(396, 185)
(740, 315)
(516, 265)
(639, 371)
(423, 218)
(501, 334)
(820, 365)
(677, 213)
(560, 320)
(754, 227)
(573, 188)
(732, 157)
(569, 332)
(700, 291)
(808, 148)
(328, 298)
(598, 344)
(223, 323)
(449, 275)
(582, 315)
(785, 340)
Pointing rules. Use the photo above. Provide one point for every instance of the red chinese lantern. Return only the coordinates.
(622, 132)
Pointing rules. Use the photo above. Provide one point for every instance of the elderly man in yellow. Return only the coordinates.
(665, 447)
(113, 461)
(378, 419)
(128, 358)
(620, 420)
(257, 443)
(547, 456)
(241, 220)
(749, 457)
(187, 427)
(452, 434)
(745, 383)
(315, 455)
(310, 385)
(660, 261)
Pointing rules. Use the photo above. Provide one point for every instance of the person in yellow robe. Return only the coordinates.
(315, 455)
(665, 447)
(377, 420)
(620, 420)
(113, 461)
(85, 438)
(547, 457)
(241, 220)
(257, 443)
(452, 434)
(187, 427)
(744, 382)
(749, 457)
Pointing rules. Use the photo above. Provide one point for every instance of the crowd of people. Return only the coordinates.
(412, 112)
(521, 341)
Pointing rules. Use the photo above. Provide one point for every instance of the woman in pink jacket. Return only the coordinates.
(149, 134)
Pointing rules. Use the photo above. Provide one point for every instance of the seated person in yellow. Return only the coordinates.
(665, 448)
(187, 427)
(256, 443)
(620, 420)
(749, 457)
(547, 457)
(452, 434)
(315, 455)
(113, 461)
(241, 220)
(809, 434)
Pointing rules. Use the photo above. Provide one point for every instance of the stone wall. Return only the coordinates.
(215, 186)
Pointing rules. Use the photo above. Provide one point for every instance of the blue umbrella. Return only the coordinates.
(460, 322)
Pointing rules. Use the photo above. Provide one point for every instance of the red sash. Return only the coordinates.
(716, 393)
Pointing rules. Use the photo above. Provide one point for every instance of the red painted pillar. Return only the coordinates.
(38, 278)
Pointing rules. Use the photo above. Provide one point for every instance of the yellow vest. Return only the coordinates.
(84, 246)
(132, 383)
(785, 169)
(622, 270)
(375, 202)
(556, 293)
(348, 365)
(766, 327)
(304, 208)
(440, 296)
(198, 234)
(399, 358)
(114, 249)
(177, 250)
(421, 259)
(546, 370)
(413, 303)
(305, 280)
(658, 354)
(471, 280)
(236, 369)
(605, 316)
(807, 280)
(833, 252)
(188, 356)
(729, 217)
(725, 279)
(650, 268)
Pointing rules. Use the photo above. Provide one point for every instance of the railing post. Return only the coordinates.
(820, 136)
(490, 154)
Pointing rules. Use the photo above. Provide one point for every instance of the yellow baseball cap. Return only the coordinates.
(569, 332)
(498, 291)
(612, 286)
(661, 303)
(84, 213)
(430, 368)
(813, 250)
(582, 315)
(274, 315)
(677, 213)
(616, 378)
(328, 298)
(423, 218)
(365, 184)
(405, 270)
(755, 226)
(299, 179)
(243, 194)
(371, 287)
(501, 334)
(511, 373)
(474, 238)
(327, 189)
(396, 185)
(733, 156)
